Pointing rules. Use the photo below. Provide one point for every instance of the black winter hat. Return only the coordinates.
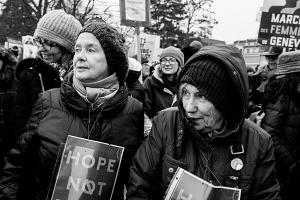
(113, 46)
(212, 80)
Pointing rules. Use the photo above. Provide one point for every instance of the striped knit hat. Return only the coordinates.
(59, 27)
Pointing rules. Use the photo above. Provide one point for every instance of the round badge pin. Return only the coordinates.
(237, 164)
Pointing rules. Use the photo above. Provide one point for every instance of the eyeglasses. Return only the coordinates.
(46, 44)
(171, 61)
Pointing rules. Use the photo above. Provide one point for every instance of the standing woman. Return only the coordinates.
(160, 88)
(92, 103)
(282, 116)
(55, 36)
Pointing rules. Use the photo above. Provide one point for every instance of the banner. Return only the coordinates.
(88, 170)
(149, 46)
(186, 185)
(280, 23)
(135, 12)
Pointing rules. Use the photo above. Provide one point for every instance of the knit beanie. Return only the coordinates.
(59, 27)
(113, 46)
(173, 52)
(212, 80)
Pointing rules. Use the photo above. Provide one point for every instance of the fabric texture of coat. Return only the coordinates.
(157, 96)
(281, 121)
(57, 114)
(33, 76)
(173, 143)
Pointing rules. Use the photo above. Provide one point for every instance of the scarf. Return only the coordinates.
(171, 85)
(98, 92)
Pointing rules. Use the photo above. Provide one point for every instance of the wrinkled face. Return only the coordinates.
(169, 65)
(50, 51)
(202, 113)
(89, 61)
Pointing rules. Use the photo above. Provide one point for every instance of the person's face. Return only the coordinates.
(145, 69)
(50, 51)
(1, 64)
(272, 61)
(169, 65)
(89, 61)
(203, 114)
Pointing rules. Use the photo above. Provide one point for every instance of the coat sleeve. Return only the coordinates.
(265, 185)
(27, 94)
(144, 181)
(148, 108)
(18, 159)
(273, 123)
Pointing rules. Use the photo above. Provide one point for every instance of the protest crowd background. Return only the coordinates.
(159, 96)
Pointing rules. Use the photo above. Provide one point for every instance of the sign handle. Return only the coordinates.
(138, 41)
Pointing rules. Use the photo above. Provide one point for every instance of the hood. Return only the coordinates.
(234, 62)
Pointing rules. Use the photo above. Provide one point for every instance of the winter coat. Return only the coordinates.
(157, 95)
(172, 143)
(7, 98)
(281, 121)
(34, 76)
(57, 114)
(7, 101)
(135, 87)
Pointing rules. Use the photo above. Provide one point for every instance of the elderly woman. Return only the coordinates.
(92, 103)
(55, 36)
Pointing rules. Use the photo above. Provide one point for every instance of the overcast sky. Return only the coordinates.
(237, 19)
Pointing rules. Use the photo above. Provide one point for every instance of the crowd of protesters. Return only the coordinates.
(199, 108)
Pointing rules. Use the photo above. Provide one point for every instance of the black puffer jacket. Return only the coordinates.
(281, 121)
(157, 95)
(57, 114)
(31, 75)
(173, 143)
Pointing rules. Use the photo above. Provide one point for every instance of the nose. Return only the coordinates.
(81, 56)
(191, 105)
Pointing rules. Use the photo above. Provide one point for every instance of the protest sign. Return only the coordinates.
(279, 24)
(187, 186)
(88, 170)
(149, 45)
(135, 12)
(29, 49)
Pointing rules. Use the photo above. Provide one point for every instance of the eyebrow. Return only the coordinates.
(86, 45)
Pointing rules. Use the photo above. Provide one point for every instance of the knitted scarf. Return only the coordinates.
(97, 92)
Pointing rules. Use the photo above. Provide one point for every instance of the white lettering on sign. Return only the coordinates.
(285, 19)
(84, 185)
(89, 161)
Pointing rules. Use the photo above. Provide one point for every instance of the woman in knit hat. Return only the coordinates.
(92, 103)
(55, 37)
(281, 106)
(160, 88)
(207, 135)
